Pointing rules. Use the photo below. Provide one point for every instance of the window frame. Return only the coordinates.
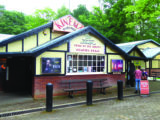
(99, 57)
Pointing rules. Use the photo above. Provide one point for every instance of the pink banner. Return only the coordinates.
(144, 87)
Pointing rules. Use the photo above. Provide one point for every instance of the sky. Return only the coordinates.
(29, 6)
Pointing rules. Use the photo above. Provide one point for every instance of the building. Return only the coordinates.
(149, 49)
(60, 50)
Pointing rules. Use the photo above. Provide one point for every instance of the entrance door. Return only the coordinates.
(130, 74)
(2, 73)
(20, 74)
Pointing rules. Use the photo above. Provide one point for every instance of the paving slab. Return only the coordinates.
(132, 108)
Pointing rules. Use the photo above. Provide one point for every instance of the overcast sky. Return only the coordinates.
(29, 6)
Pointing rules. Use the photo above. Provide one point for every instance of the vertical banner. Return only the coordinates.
(144, 87)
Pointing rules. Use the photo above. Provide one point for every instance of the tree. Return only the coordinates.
(110, 21)
(81, 10)
(96, 19)
(34, 21)
(145, 19)
(47, 14)
(2, 7)
(62, 12)
(40, 17)
(12, 22)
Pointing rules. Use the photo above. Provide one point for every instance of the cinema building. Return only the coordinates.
(60, 50)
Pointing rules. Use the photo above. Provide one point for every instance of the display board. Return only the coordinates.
(51, 65)
(87, 44)
(117, 65)
(144, 87)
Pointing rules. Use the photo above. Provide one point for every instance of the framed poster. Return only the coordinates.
(117, 65)
(51, 65)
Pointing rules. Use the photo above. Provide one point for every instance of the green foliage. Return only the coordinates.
(81, 10)
(2, 7)
(145, 21)
(34, 21)
(47, 14)
(111, 22)
(118, 20)
(62, 12)
(96, 19)
(12, 22)
(40, 17)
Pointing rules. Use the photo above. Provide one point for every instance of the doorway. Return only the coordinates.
(19, 74)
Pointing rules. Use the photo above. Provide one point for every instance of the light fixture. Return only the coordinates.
(44, 32)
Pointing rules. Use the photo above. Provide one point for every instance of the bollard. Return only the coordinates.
(120, 89)
(89, 92)
(49, 98)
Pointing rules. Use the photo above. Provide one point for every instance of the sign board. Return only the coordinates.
(137, 62)
(67, 24)
(51, 65)
(87, 44)
(144, 87)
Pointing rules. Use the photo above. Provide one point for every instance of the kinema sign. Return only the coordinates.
(67, 24)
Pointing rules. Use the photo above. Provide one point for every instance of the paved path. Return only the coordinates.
(133, 108)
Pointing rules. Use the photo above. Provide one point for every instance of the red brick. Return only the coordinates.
(40, 82)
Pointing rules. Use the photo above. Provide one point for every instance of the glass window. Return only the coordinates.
(74, 57)
(80, 57)
(85, 63)
(89, 57)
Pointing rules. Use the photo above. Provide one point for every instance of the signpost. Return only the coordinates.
(144, 88)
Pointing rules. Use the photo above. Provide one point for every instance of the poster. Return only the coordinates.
(144, 87)
(117, 65)
(51, 65)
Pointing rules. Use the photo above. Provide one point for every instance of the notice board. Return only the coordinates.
(144, 87)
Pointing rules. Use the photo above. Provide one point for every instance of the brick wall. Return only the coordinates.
(39, 85)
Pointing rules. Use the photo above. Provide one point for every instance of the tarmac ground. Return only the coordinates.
(130, 108)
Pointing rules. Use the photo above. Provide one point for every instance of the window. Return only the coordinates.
(85, 63)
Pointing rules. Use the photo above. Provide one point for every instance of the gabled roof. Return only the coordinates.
(148, 52)
(66, 38)
(151, 52)
(127, 47)
(25, 34)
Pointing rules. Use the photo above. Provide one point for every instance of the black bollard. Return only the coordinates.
(49, 97)
(120, 89)
(89, 92)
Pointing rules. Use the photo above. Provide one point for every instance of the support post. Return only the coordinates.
(49, 97)
(89, 92)
(120, 89)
